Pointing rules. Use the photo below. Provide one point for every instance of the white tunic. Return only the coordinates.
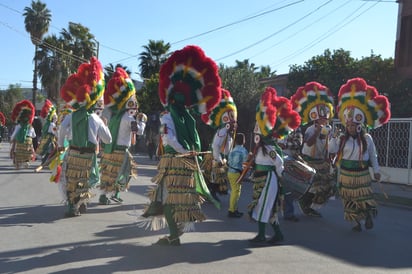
(221, 135)
(262, 212)
(352, 150)
(96, 131)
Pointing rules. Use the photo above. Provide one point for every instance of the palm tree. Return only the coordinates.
(37, 20)
(155, 54)
(60, 56)
(50, 66)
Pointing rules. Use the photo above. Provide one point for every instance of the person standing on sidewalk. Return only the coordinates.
(238, 156)
(315, 104)
(83, 129)
(275, 119)
(359, 108)
(188, 80)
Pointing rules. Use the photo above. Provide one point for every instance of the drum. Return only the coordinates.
(297, 177)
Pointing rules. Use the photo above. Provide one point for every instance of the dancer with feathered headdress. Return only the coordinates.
(315, 104)
(222, 118)
(82, 129)
(360, 107)
(275, 119)
(22, 151)
(189, 80)
(49, 130)
(117, 163)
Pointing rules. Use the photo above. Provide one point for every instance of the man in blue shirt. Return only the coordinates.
(237, 158)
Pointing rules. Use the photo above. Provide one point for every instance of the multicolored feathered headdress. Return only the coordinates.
(64, 111)
(275, 117)
(361, 104)
(313, 101)
(191, 78)
(225, 112)
(23, 112)
(48, 111)
(85, 87)
(120, 90)
(2, 119)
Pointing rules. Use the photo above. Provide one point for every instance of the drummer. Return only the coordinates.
(291, 147)
(315, 104)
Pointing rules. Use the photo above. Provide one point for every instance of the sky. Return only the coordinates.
(267, 33)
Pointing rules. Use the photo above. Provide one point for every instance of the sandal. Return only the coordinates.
(258, 240)
(167, 241)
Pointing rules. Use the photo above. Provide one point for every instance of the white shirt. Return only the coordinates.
(352, 150)
(271, 158)
(318, 150)
(125, 130)
(97, 130)
(30, 133)
(221, 135)
(169, 134)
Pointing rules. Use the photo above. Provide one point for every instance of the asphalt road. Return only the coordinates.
(35, 238)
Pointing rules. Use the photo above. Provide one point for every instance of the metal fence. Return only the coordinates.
(394, 147)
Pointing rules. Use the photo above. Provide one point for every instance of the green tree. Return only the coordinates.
(50, 66)
(243, 84)
(60, 56)
(37, 20)
(334, 69)
(154, 55)
(148, 97)
(329, 69)
(8, 99)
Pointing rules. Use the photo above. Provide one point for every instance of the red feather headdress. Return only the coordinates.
(361, 103)
(225, 112)
(86, 87)
(275, 117)
(190, 73)
(48, 110)
(313, 101)
(23, 112)
(120, 89)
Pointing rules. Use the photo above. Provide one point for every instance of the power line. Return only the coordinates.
(275, 33)
(328, 33)
(320, 18)
(235, 23)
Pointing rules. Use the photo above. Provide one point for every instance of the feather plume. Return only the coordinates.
(191, 73)
(23, 112)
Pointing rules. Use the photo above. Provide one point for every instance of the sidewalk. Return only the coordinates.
(393, 194)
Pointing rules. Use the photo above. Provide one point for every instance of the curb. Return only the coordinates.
(391, 200)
